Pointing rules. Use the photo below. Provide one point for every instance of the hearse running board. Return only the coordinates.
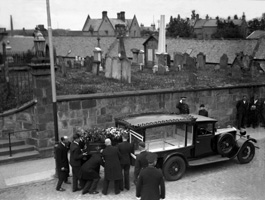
(207, 160)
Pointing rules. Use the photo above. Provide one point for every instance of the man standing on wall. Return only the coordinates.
(203, 111)
(76, 157)
(182, 106)
(62, 162)
(242, 111)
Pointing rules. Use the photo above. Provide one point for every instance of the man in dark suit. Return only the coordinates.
(89, 173)
(151, 184)
(182, 106)
(203, 111)
(242, 111)
(76, 157)
(62, 163)
(112, 170)
(141, 161)
(125, 149)
(253, 112)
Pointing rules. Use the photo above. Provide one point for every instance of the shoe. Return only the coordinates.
(78, 189)
(67, 182)
(94, 192)
(61, 189)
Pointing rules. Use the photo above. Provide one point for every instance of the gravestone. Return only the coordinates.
(178, 61)
(88, 63)
(236, 72)
(201, 60)
(126, 70)
(190, 64)
(224, 61)
(108, 67)
(116, 68)
(161, 63)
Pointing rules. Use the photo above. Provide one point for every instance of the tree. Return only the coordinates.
(227, 29)
(178, 27)
(235, 17)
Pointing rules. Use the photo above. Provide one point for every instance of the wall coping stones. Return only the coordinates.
(19, 109)
(62, 98)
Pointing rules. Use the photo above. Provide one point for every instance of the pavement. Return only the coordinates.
(39, 170)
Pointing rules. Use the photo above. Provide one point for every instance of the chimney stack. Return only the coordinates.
(118, 15)
(104, 14)
(122, 15)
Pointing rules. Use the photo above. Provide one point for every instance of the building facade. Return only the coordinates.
(107, 26)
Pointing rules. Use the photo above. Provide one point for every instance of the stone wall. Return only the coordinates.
(99, 110)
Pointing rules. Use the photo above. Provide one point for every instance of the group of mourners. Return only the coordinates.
(116, 161)
(250, 112)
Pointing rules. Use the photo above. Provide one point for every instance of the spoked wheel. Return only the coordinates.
(246, 153)
(225, 144)
(174, 168)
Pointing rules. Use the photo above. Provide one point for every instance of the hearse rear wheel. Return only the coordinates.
(246, 153)
(174, 168)
(225, 144)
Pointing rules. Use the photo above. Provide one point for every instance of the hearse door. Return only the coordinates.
(135, 138)
(203, 139)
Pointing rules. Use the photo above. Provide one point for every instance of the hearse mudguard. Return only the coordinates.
(166, 157)
(239, 144)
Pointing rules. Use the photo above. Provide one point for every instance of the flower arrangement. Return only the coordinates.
(100, 134)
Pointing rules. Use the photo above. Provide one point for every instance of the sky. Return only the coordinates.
(72, 14)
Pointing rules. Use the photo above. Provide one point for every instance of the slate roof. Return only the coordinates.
(213, 49)
(260, 54)
(19, 43)
(94, 23)
(199, 23)
(81, 46)
(256, 34)
(210, 23)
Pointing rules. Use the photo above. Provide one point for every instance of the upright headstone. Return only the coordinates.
(178, 61)
(116, 68)
(126, 70)
(201, 60)
(108, 67)
(224, 61)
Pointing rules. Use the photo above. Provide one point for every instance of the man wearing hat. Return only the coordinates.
(150, 184)
(203, 111)
(141, 161)
(76, 157)
(62, 163)
(182, 106)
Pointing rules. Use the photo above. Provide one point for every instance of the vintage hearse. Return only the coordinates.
(181, 141)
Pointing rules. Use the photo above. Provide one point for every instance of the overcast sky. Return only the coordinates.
(72, 14)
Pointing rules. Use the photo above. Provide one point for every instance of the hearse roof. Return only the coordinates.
(154, 119)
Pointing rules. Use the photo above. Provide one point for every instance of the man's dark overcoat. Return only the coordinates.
(150, 184)
(140, 163)
(90, 169)
(112, 169)
(61, 153)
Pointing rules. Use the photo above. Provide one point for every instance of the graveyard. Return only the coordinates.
(79, 81)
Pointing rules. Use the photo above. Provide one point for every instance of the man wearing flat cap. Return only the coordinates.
(150, 184)
(141, 161)
(183, 106)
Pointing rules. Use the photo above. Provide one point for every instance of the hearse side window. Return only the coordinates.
(168, 137)
(204, 129)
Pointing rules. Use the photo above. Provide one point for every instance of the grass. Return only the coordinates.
(79, 81)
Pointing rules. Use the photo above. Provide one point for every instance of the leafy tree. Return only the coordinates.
(227, 29)
(235, 17)
(178, 27)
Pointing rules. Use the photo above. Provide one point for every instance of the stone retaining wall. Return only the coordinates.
(99, 110)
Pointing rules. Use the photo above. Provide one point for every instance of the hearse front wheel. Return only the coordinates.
(246, 153)
(174, 168)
